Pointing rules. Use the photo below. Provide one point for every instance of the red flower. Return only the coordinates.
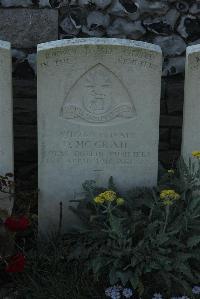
(16, 264)
(16, 224)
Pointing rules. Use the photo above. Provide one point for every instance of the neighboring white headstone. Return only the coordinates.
(191, 128)
(6, 119)
(98, 116)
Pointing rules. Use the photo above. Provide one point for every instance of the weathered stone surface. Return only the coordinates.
(6, 123)
(171, 45)
(191, 128)
(182, 6)
(69, 26)
(174, 66)
(158, 20)
(122, 28)
(98, 3)
(187, 25)
(162, 24)
(153, 7)
(16, 3)
(123, 8)
(25, 28)
(97, 23)
(102, 121)
(44, 3)
(195, 8)
(32, 61)
(18, 54)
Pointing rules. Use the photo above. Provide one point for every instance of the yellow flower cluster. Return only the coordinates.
(168, 196)
(99, 199)
(196, 154)
(120, 201)
(171, 171)
(108, 196)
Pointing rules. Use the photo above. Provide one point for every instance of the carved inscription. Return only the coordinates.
(134, 57)
(99, 51)
(95, 158)
(95, 149)
(98, 96)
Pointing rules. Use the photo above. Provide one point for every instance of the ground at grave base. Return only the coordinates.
(126, 243)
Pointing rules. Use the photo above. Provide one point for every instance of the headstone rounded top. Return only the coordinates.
(192, 49)
(5, 45)
(98, 41)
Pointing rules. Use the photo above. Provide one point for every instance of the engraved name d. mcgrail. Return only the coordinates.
(98, 96)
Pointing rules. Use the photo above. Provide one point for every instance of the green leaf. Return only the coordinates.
(115, 225)
(124, 276)
(99, 263)
(113, 277)
(135, 279)
(194, 203)
(193, 241)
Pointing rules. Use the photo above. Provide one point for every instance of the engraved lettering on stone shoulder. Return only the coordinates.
(98, 96)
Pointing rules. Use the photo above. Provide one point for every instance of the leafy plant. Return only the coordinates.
(6, 193)
(147, 243)
(48, 274)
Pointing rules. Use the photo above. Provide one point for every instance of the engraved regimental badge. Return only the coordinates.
(98, 96)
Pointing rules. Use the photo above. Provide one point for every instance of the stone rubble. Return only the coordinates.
(172, 24)
(16, 3)
(171, 45)
(174, 66)
(122, 28)
(182, 6)
(44, 3)
(164, 24)
(69, 26)
(31, 58)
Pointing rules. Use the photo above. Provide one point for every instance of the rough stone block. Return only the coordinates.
(25, 28)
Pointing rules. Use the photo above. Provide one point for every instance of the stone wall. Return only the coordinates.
(171, 24)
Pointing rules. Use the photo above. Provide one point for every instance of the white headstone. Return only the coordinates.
(6, 121)
(98, 116)
(191, 128)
